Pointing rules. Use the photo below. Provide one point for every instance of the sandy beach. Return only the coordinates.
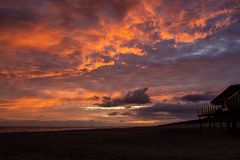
(162, 142)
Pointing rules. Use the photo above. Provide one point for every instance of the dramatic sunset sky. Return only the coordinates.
(115, 62)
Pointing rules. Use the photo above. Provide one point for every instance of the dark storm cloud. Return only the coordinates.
(138, 96)
(197, 97)
(170, 108)
(161, 111)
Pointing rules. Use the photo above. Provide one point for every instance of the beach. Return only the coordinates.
(141, 143)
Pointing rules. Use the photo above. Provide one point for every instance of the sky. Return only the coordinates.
(115, 62)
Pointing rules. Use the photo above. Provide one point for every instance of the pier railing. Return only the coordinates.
(208, 110)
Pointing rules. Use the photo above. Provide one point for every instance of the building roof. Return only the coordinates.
(222, 97)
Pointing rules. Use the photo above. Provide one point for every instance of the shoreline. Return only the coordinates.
(26, 129)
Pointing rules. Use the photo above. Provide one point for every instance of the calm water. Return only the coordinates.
(41, 129)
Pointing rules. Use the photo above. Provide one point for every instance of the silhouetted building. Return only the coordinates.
(225, 109)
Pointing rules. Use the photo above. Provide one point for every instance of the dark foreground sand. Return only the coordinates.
(165, 142)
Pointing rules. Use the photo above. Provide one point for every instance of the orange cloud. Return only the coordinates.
(173, 24)
(39, 37)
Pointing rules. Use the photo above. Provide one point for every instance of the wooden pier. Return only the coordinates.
(224, 109)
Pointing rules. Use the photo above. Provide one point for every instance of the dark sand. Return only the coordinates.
(147, 143)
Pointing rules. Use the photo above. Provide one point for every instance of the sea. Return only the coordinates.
(12, 129)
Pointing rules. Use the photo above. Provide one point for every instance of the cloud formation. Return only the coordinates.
(198, 97)
(58, 58)
(91, 30)
(160, 111)
(137, 96)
